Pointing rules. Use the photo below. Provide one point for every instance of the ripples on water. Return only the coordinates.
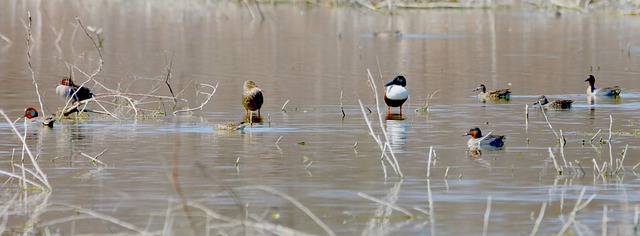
(309, 56)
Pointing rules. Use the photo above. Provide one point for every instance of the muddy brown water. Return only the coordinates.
(309, 55)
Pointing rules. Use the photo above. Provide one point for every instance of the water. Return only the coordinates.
(310, 55)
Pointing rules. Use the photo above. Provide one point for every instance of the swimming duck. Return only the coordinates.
(608, 91)
(478, 141)
(396, 93)
(557, 104)
(252, 97)
(230, 126)
(66, 90)
(31, 114)
(494, 95)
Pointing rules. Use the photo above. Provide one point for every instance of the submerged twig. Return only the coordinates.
(400, 209)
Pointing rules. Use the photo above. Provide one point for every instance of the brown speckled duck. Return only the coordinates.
(492, 95)
(252, 97)
(557, 104)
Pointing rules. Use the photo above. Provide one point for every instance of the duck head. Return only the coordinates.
(398, 80)
(30, 113)
(474, 133)
(591, 80)
(482, 88)
(248, 85)
(541, 100)
(66, 81)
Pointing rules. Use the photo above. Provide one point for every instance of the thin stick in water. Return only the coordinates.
(486, 217)
(284, 105)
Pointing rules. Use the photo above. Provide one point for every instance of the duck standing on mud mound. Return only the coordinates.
(478, 141)
(251, 97)
(605, 92)
(67, 90)
(396, 93)
(493, 95)
(31, 114)
(557, 104)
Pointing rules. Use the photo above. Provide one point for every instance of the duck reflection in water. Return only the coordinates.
(397, 129)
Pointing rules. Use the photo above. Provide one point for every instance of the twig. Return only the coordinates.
(297, 204)
(400, 209)
(283, 105)
(539, 219)
(594, 136)
(394, 162)
(429, 162)
(95, 159)
(425, 107)
(486, 217)
(33, 73)
(40, 174)
(446, 172)
(169, 66)
(555, 163)
(610, 127)
(342, 107)
(551, 127)
(209, 95)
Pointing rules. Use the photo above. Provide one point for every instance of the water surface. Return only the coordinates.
(164, 173)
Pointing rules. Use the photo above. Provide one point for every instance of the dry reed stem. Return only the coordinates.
(284, 105)
(33, 73)
(577, 207)
(341, 106)
(393, 161)
(425, 107)
(610, 128)
(555, 163)
(209, 95)
(95, 159)
(400, 209)
(539, 219)
(551, 127)
(594, 136)
(485, 228)
(104, 217)
(40, 174)
(429, 162)
(295, 202)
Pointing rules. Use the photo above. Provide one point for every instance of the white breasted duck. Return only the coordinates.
(607, 92)
(31, 114)
(493, 95)
(557, 104)
(396, 93)
(479, 141)
(251, 97)
(67, 88)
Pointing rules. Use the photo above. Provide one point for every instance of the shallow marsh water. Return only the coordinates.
(310, 55)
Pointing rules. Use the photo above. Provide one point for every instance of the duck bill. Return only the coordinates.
(389, 84)
(466, 134)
